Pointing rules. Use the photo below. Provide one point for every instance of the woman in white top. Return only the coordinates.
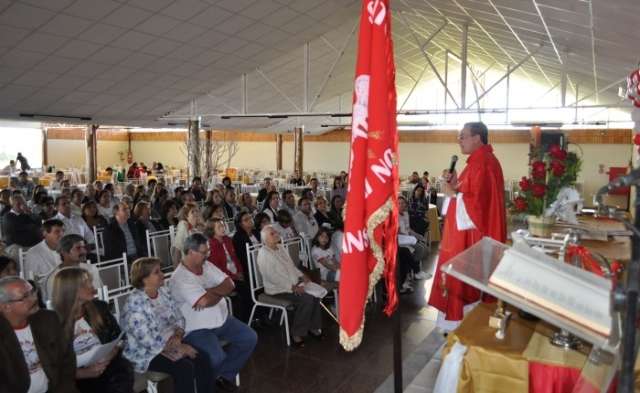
(190, 222)
(271, 205)
(322, 253)
(105, 206)
(88, 323)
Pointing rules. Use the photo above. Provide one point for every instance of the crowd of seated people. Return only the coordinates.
(177, 332)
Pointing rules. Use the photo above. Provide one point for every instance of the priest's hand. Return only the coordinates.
(450, 187)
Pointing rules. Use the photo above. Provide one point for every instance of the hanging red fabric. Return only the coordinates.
(370, 238)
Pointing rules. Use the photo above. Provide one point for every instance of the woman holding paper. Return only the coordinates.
(155, 329)
(89, 324)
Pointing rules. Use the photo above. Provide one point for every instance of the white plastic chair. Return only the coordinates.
(98, 234)
(114, 274)
(261, 299)
(159, 246)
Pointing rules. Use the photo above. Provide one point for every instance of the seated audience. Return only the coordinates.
(25, 185)
(190, 222)
(56, 184)
(43, 258)
(313, 187)
(261, 220)
(199, 289)
(245, 234)
(8, 267)
(296, 179)
(199, 193)
(105, 204)
(226, 182)
(264, 191)
(76, 202)
(339, 188)
(223, 256)
(230, 207)
(247, 204)
(91, 216)
(20, 229)
(304, 220)
(324, 256)
(121, 236)
(288, 202)
(283, 280)
(73, 224)
(35, 354)
(5, 201)
(284, 225)
(73, 253)
(169, 214)
(155, 332)
(404, 228)
(335, 212)
(214, 197)
(271, 205)
(47, 208)
(322, 214)
(142, 219)
(88, 323)
(418, 202)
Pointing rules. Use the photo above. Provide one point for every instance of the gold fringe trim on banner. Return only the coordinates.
(349, 343)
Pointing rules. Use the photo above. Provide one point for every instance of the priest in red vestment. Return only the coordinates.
(474, 208)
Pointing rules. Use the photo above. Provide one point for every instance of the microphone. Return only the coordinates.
(452, 167)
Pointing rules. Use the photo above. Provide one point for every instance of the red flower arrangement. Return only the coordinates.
(549, 172)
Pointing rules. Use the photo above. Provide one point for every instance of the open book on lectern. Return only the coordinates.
(562, 289)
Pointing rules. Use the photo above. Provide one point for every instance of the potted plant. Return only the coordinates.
(549, 172)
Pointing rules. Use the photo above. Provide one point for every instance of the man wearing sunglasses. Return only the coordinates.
(35, 355)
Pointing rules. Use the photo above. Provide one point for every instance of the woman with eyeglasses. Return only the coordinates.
(88, 323)
(155, 329)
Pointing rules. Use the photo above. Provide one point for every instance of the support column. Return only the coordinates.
(90, 137)
(298, 142)
(278, 152)
(193, 148)
(208, 165)
(45, 149)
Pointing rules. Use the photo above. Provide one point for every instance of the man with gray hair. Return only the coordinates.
(199, 289)
(283, 280)
(73, 252)
(35, 356)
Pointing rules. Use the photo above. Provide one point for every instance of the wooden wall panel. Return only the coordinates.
(610, 136)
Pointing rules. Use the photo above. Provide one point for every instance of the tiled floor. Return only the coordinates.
(324, 367)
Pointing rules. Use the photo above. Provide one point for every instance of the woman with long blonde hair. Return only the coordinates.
(88, 323)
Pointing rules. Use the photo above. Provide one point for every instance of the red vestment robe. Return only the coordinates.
(482, 187)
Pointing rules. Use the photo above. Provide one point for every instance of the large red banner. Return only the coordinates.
(370, 237)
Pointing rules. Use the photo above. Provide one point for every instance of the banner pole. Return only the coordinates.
(397, 349)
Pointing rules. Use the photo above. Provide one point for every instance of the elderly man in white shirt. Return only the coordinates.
(303, 220)
(283, 280)
(199, 289)
(43, 258)
(73, 224)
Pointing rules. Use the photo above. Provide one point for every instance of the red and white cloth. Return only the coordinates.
(369, 243)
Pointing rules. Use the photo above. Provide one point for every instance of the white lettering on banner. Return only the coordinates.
(383, 171)
(359, 241)
(359, 125)
(367, 188)
(377, 12)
